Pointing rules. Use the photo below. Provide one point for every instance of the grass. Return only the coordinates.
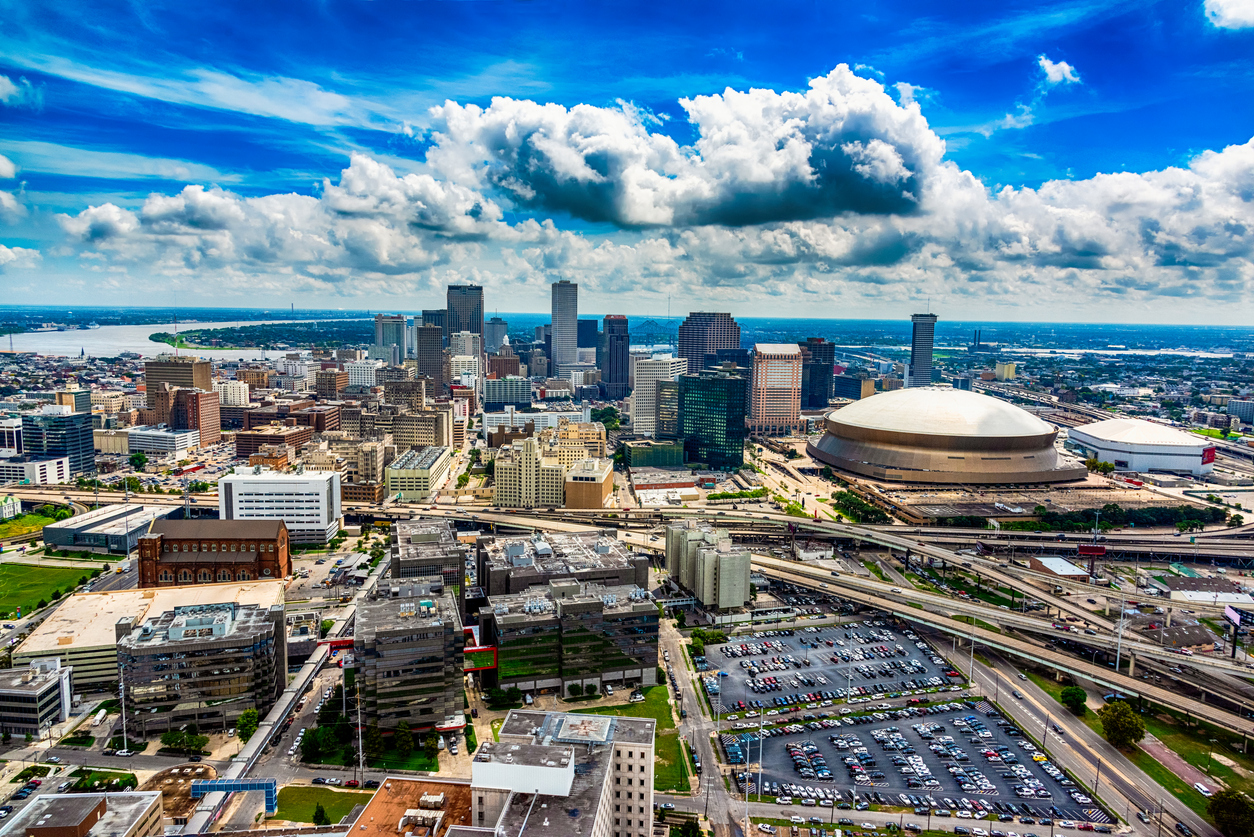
(35, 771)
(416, 760)
(90, 778)
(24, 585)
(670, 770)
(1193, 745)
(1054, 689)
(472, 740)
(496, 728)
(81, 740)
(874, 569)
(23, 524)
(979, 623)
(298, 803)
(135, 745)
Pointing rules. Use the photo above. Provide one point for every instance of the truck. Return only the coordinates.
(100, 716)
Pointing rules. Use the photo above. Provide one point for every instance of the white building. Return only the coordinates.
(10, 436)
(1139, 445)
(34, 471)
(465, 343)
(643, 401)
(543, 419)
(565, 324)
(231, 393)
(308, 503)
(417, 474)
(163, 441)
(361, 373)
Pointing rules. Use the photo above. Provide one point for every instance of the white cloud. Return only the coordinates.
(1230, 14)
(1057, 72)
(19, 93)
(18, 257)
(52, 158)
(830, 196)
(8, 171)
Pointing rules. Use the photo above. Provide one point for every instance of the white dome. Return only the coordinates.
(1139, 432)
(940, 411)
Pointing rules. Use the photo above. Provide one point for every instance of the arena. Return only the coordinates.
(1139, 445)
(942, 436)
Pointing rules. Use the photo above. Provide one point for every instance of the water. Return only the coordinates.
(111, 341)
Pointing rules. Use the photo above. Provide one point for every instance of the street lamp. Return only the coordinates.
(1209, 755)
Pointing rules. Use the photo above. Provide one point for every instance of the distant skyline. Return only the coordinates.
(1081, 161)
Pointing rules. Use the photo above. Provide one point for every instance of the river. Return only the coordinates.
(111, 341)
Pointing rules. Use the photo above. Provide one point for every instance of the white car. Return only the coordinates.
(1202, 789)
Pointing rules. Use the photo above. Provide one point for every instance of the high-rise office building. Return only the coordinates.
(666, 426)
(465, 343)
(308, 503)
(705, 332)
(816, 373)
(199, 411)
(565, 323)
(55, 432)
(431, 316)
(644, 396)
(588, 334)
(775, 404)
(494, 331)
(187, 372)
(465, 310)
(922, 337)
(615, 360)
(429, 353)
(712, 419)
(389, 330)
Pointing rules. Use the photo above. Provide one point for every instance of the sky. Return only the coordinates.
(1075, 161)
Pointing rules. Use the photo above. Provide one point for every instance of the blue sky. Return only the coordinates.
(1086, 161)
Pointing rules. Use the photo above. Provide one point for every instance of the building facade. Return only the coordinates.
(704, 333)
(565, 318)
(417, 474)
(589, 484)
(184, 372)
(525, 479)
(35, 697)
(231, 393)
(308, 503)
(615, 360)
(776, 397)
(704, 561)
(203, 551)
(644, 395)
(712, 419)
(922, 337)
(465, 310)
(816, 373)
(57, 432)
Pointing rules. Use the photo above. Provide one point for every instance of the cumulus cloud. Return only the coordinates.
(1057, 72)
(837, 192)
(18, 257)
(8, 171)
(18, 93)
(1230, 14)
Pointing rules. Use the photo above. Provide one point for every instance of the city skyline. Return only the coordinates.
(1067, 164)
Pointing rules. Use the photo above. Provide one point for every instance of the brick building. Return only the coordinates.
(248, 442)
(329, 383)
(181, 552)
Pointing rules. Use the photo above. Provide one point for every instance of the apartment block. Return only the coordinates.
(526, 479)
(308, 503)
(231, 393)
(704, 561)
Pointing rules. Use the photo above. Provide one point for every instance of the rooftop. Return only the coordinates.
(776, 349)
(555, 553)
(416, 605)
(33, 678)
(575, 728)
(396, 797)
(113, 520)
(1133, 431)
(207, 528)
(941, 411)
(547, 599)
(417, 459)
(202, 623)
(1059, 566)
(122, 812)
(89, 620)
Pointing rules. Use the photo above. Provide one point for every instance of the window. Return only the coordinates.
(185, 575)
(252, 547)
(204, 576)
(224, 575)
(242, 575)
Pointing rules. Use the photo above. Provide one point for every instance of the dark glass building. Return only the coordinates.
(712, 419)
(465, 310)
(816, 373)
(615, 356)
(51, 434)
(667, 426)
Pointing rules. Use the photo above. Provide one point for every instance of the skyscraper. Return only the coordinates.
(712, 419)
(776, 400)
(704, 333)
(429, 353)
(565, 323)
(615, 356)
(817, 373)
(666, 426)
(924, 332)
(588, 334)
(465, 310)
(389, 330)
(187, 372)
(644, 395)
(57, 431)
(494, 332)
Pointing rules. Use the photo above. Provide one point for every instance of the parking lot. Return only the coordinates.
(857, 662)
(958, 759)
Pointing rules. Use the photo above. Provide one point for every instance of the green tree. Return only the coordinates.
(138, 460)
(1073, 697)
(174, 739)
(311, 748)
(1121, 725)
(690, 829)
(513, 694)
(372, 742)
(320, 816)
(6, 738)
(326, 626)
(247, 725)
(1232, 812)
(1236, 520)
(42, 604)
(574, 689)
(403, 740)
(56, 594)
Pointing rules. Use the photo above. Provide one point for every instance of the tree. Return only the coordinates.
(513, 694)
(246, 725)
(1236, 520)
(56, 594)
(690, 829)
(1074, 698)
(403, 740)
(1232, 812)
(574, 689)
(42, 604)
(1122, 726)
(311, 748)
(8, 736)
(372, 742)
(320, 816)
(138, 460)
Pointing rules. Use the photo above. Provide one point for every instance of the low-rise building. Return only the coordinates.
(416, 474)
(202, 664)
(204, 551)
(34, 698)
(1061, 567)
(132, 814)
(162, 441)
(589, 484)
(512, 564)
(113, 529)
(34, 470)
(427, 551)
(248, 442)
(653, 453)
(308, 503)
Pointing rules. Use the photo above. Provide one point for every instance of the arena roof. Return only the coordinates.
(940, 411)
(1133, 431)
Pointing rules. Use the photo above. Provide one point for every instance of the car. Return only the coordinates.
(319, 780)
(1202, 789)
(766, 828)
(668, 806)
(53, 759)
(371, 783)
(1018, 694)
(126, 754)
(1184, 830)
(1143, 817)
(1022, 676)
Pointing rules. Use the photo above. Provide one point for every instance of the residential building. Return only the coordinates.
(308, 503)
(589, 484)
(854, 387)
(615, 359)
(542, 419)
(508, 391)
(465, 310)
(198, 411)
(923, 334)
(109, 402)
(565, 318)
(184, 372)
(512, 564)
(362, 373)
(1004, 370)
(84, 630)
(89, 815)
(776, 397)
(495, 331)
(465, 343)
(202, 664)
(650, 453)
(329, 383)
(525, 479)
(35, 697)
(410, 394)
(74, 397)
(56, 431)
(162, 441)
(704, 561)
(505, 364)
(391, 330)
(256, 377)
(705, 333)
(231, 393)
(643, 401)
(816, 373)
(417, 474)
(408, 649)
(10, 507)
(1239, 408)
(35, 471)
(712, 419)
(565, 633)
(206, 551)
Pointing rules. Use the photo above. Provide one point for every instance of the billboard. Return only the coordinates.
(1208, 455)
(1238, 617)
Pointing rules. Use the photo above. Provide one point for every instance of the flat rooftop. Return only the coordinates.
(542, 599)
(417, 459)
(1059, 566)
(122, 811)
(395, 796)
(88, 620)
(572, 727)
(555, 553)
(416, 605)
(27, 678)
(113, 520)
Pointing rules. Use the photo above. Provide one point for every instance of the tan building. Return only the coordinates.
(775, 400)
(109, 402)
(1004, 370)
(274, 457)
(248, 442)
(329, 383)
(525, 479)
(183, 372)
(255, 377)
(589, 484)
(572, 441)
(115, 442)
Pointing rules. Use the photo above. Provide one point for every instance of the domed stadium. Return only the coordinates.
(941, 435)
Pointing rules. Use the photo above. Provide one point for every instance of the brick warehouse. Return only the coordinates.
(175, 552)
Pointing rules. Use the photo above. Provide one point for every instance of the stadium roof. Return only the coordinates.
(941, 411)
(1133, 431)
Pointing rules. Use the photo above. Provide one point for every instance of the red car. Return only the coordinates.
(352, 783)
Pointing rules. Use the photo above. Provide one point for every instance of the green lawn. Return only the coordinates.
(391, 760)
(23, 586)
(23, 524)
(298, 803)
(874, 569)
(90, 778)
(670, 770)
(35, 771)
(82, 740)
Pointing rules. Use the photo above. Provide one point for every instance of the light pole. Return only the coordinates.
(1209, 755)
